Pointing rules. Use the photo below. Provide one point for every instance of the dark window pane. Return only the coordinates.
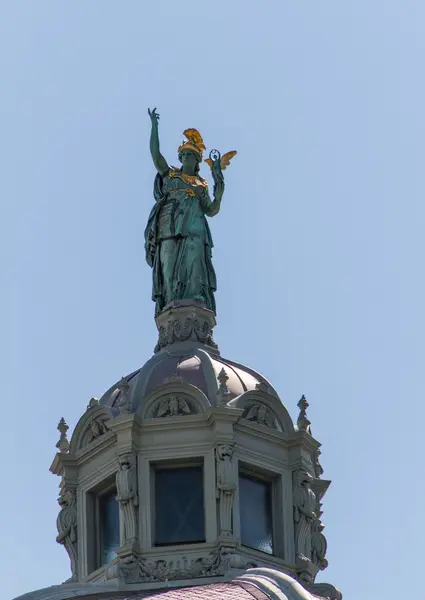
(256, 513)
(179, 506)
(109, 524)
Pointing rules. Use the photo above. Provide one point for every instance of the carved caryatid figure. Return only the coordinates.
(126, 481)
(67, 528)
(226, 487)
(304, 512)
(178, 241)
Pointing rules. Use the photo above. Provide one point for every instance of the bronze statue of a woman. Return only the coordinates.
(178, 240)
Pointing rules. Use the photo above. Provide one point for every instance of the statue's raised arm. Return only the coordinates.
(158, 160)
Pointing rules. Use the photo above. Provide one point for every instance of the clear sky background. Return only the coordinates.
(319, 245)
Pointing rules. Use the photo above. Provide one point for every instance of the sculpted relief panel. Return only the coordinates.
(171, 407)
(262, 415)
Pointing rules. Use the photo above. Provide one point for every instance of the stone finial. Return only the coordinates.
(223, 392)
(63, 443)
(124, 398)
(93, 402)
(302, 422)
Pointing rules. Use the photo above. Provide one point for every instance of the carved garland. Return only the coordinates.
(139, 570)
(192, 328)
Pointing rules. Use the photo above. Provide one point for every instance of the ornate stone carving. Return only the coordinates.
(223, 393)
(318, 469)
(97, 428)
(226, 486)
(139, 570)
(127, 497)
(172, 407)
(304, 513)
(173, 378)
(184, 323)
(124, 396)
(319, 545)
(324, 590)
(302, 422)
(92, 403)
(262, 387)
(258, 413)
(66, 524)
(63, 443)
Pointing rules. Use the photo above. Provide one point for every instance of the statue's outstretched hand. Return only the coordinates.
(219, 190)
(154, 116)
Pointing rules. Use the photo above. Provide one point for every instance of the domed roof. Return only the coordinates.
(195, 366)
(253, 584)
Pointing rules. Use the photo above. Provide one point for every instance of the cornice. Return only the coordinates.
(61, 462)
(260, 431)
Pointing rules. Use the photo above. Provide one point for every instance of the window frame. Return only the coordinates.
(273, 479)
(167, 464)
(94, 541)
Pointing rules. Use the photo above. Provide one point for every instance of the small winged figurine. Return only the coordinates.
(218, 163)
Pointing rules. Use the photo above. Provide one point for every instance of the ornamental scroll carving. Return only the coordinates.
(226, 487)
(66, 524)
(127, 496)
(259, 413)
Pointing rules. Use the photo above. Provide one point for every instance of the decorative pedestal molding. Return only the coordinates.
(185, 321)
(135, 568)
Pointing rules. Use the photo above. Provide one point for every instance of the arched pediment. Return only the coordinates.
(264, 409)
(91, 426)
(173, 399)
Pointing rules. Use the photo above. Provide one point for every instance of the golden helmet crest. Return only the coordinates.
(194, 142)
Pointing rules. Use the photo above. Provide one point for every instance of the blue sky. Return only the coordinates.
(318, 246)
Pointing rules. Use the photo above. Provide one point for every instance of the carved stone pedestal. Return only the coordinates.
(185, 321)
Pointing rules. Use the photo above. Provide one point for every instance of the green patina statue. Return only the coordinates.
(178, 240)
